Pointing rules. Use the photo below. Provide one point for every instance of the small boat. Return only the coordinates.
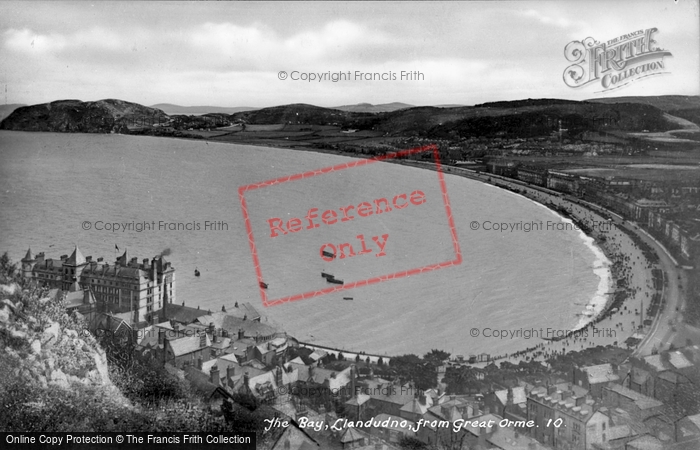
(328, 254)
(196, 272)
(327, 275)
(347, 298)
(263, 285)
(334, 281)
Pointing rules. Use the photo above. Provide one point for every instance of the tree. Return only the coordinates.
(437, 356)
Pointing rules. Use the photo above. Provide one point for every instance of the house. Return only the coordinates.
(594, 378)
(355, 407)
(186, 351)
(275, 384)
(182, 314)
(385, 396)
(510, 403)
(416, 408)
(294, 438)
(449, 411)
(582, 423)
(621, 397)
(212, 394)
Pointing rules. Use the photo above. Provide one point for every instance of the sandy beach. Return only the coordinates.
(622, 267)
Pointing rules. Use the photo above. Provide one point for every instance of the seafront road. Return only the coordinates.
(666, 325)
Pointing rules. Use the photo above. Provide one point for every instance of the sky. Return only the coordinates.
(232, 53)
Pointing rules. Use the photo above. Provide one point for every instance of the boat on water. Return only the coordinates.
(328, 254)
(263, 285)
(326, 275)
(334, 281)
(196, 272)
(347, 298)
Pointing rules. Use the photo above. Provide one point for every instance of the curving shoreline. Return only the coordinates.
(607, 325)
(602, 301)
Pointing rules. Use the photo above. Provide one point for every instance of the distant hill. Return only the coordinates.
(683, 106)
(520, 118)
(102, 116)
(663, 102)
(6, 110)
(171, 109)
(301, 113)
(369, 108)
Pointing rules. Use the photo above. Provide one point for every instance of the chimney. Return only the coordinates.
(202, 340)
(278, 377)
(211, 328)
(230, 372)
(580, 401)
(88, 259)
(100, 259)
(199, 363)
(223, 308)
(153, 270)
(353, 375)
(64, 257)
(421, 399)
(241, 333)
(214, 375)
(246, 380)
(161, 336)
(145, 263)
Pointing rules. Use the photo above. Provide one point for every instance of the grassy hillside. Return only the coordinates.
(102, 116)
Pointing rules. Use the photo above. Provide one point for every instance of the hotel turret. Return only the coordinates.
(141, 289)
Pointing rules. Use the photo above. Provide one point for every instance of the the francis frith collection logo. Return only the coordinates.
(615, 63)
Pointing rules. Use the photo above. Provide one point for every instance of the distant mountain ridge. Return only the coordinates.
(171, 109)
(520, 118)
(663, 102)
(370, 108)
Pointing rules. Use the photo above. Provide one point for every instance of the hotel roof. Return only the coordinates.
(76, 258)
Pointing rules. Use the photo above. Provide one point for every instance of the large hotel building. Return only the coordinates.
(140, 289)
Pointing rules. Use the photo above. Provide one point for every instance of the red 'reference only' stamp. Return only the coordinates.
(319, 223)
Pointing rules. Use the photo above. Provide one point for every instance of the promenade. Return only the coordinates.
(628, 263)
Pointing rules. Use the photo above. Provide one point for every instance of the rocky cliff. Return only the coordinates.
(102, 116)
(52, 371)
